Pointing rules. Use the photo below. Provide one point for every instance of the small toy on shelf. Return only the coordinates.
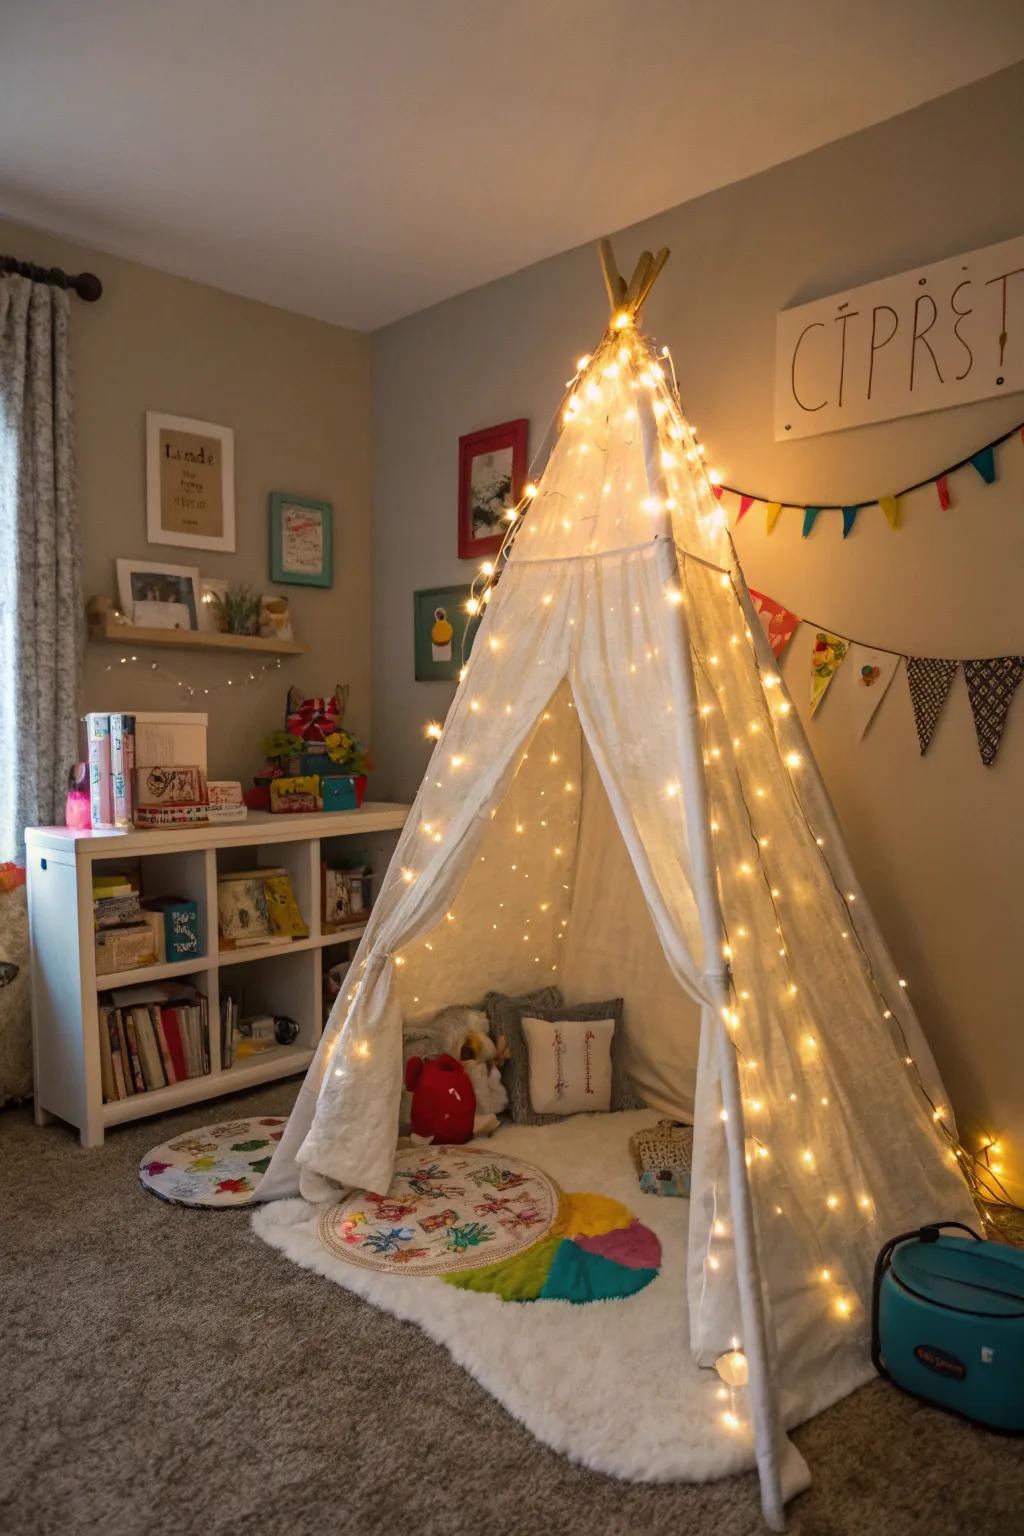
(314, 744)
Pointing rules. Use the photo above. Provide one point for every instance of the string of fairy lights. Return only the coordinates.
(981, 1169)
(251, 675)
(680, 446)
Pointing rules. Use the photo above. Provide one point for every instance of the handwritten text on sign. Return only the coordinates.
(919, 341)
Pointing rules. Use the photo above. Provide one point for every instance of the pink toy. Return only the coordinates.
(443, 1101)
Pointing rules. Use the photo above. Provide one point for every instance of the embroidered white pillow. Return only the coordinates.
(570, 1064)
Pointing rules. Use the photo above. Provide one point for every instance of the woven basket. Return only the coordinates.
(662, 1156)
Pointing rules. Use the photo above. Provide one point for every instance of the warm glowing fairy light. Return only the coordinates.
(433, 730)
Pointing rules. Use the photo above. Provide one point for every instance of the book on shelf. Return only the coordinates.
(258, 906)
(101, 786)
(122, 768)
(151, 1037)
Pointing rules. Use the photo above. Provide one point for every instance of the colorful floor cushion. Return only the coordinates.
(218, 1165)
(448, 1209)
(596, 1251)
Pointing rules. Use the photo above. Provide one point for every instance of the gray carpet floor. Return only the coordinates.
(164, 1373)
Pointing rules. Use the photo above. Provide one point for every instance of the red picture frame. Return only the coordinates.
(492, 473)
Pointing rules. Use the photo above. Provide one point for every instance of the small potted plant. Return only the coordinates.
(350, 761)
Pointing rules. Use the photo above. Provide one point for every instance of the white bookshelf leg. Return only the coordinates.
(91, 1135)
(40, 1115)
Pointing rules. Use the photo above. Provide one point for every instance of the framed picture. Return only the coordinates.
(301, 542)
(190, 482)
(156, 596)
(441, 624)
(492, 471)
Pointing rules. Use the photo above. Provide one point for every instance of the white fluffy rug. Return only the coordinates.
(610, 1384)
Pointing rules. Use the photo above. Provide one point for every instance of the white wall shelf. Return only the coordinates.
(181, 861)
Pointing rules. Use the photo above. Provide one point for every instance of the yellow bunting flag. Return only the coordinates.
(772, 511)
(827, 657)
(890, 505)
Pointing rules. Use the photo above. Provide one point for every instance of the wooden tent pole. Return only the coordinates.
(613, 282)
(629, 297)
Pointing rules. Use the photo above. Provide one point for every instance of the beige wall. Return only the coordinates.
(938, 840)
(296, 392)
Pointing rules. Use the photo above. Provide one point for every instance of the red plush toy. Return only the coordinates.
(443, 1100)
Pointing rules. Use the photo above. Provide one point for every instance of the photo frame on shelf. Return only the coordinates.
(301, 541)
(492, 473)
(190, 482)
(440, 624)
(156, 596)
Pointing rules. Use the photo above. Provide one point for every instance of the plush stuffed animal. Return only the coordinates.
(443, 1100)
(482, 1058)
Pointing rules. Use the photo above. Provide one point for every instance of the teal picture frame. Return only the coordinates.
(442, 663)
(301, 541)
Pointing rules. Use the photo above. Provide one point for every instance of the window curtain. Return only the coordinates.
(40, 580)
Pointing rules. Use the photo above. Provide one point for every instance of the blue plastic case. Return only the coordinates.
(948, 1323)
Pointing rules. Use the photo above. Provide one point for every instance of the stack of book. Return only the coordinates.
(151, 1037)
(147, 769)
(126, 936)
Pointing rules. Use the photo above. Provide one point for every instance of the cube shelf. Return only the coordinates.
(276, 978)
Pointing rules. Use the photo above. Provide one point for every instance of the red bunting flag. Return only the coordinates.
(716, 491)
(942, 486)
(746, 502)
(778, 623)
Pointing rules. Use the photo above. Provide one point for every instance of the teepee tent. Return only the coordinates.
(622, 797)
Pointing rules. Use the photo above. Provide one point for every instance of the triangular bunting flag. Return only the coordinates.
(849, 518)
(772, 511)
(826, 659)
(716, 490)
(778, 623)
(991, 685)
(746, 502)
(984, 462)
(874, 671)
(929, 679)
(890, 505)
(810, 513)
(942, 486)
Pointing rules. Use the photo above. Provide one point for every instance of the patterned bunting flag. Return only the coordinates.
(984, 461)
(929, 679)
(746, 502)
(991, 685)
(772, 510)
(890, 505)
(810, 513)
(849, 518)
(826, 659)
(874, 671)
(942, 486)
(778, 623)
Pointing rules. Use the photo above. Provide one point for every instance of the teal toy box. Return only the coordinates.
(948, 1323)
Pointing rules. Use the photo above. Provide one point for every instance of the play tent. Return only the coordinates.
(622, 801)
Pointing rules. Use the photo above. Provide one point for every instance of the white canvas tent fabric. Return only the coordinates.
(622, 801)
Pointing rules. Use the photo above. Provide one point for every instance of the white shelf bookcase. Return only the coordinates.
(182, 861)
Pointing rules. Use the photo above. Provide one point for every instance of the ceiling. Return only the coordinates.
(358, 160)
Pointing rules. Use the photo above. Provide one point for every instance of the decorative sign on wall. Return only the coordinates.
(919, 341)
(190, 482)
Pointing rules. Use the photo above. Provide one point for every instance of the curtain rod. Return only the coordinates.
(86, 284)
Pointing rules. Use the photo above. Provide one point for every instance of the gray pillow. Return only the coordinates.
(505, 1014)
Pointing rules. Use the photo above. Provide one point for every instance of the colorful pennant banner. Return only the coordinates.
(991, 681)
(983, 461)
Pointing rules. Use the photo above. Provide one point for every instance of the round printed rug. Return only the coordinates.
(448, 1209)
(486, 1221)
(219, 1165)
